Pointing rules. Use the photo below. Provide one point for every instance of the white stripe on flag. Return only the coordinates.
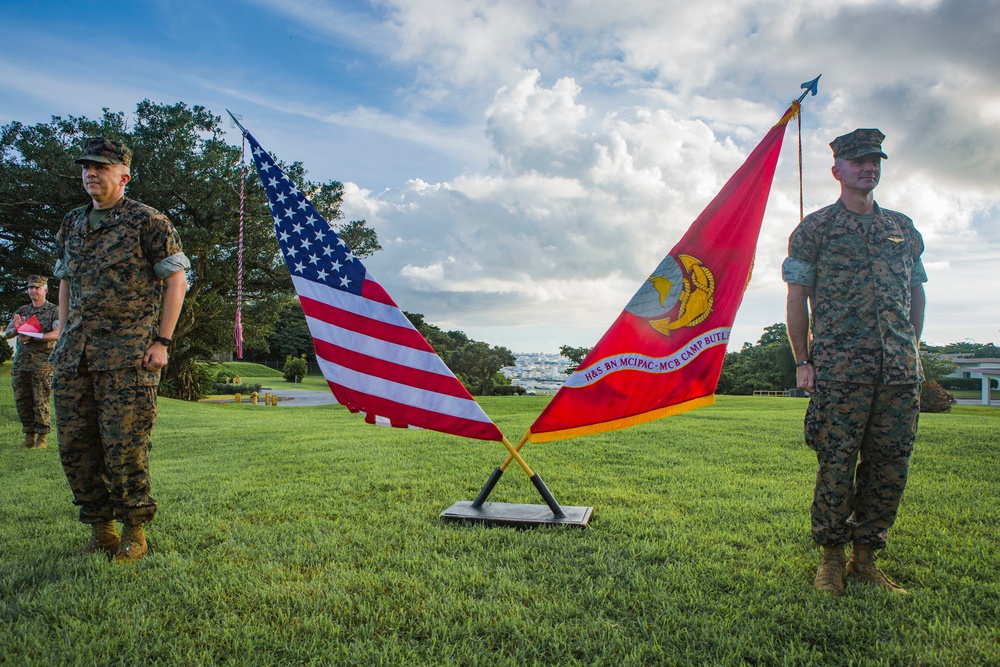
(375, 347)
(462, 408)
(383, 421)
(358, 305)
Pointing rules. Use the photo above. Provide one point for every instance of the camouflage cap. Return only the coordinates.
(108, 151)
(858, 143)
(37, 281)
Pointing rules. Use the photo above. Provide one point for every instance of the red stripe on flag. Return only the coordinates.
(391, 333)
(373, 291)
(413, 377)
(405, 414)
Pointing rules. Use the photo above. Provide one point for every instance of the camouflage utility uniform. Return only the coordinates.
(31, 372)
(868, 373)
(105, 399)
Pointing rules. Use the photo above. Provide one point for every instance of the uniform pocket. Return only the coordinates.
(146, 378)
(896, 254)
(814, 427)
(116, 251)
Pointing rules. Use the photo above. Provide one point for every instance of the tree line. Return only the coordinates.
(475, 363)
(769, 365)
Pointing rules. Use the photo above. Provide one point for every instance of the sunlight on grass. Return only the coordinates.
(304, 536)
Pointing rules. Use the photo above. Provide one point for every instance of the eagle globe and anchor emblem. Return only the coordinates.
(685, 284)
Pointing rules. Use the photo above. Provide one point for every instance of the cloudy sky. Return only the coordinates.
(526, 164)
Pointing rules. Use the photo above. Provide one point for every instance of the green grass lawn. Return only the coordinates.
(302, 536)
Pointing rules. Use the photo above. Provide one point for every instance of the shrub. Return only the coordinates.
(295, 368)
(934, 398)
(965, 383)
(509, 390)
(227, 388)
(5, 350)
(190, 381)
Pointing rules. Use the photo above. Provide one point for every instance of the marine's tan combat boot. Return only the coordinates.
(104, 538)
(862, 566)
(40, 440)
(29, 441)
(133, 546)
(830, 576)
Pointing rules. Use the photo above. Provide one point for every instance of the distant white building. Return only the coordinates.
(538, 372)
(971, 367)
(985, 368)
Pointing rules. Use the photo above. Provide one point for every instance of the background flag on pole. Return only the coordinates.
(664, 353)
(372, 357)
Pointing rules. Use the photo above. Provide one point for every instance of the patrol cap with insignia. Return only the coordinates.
(108, 151)
(37, 281)
(858, 143)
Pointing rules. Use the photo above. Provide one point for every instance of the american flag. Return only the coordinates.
(373, 358)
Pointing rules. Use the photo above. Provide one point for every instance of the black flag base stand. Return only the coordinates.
(510, 514)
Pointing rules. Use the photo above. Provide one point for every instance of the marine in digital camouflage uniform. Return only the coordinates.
(121, 269)
(31, 372)
(856, 268)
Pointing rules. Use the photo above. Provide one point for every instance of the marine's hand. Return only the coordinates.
(12, 329)
(155, 357)
(805, 378)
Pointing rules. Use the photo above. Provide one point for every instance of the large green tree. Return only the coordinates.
(936, 366)
(183, 167)
(967, 348)
(475, 363)
(290, 336)
(769, 365)
(575, 355)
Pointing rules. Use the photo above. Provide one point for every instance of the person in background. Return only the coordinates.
(31, 372)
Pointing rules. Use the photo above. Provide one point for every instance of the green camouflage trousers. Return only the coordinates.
(863, 437)
(32, 391)
(105, 419)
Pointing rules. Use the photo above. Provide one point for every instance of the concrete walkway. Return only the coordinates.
(286, 397)
(294, 397)
(977, 401)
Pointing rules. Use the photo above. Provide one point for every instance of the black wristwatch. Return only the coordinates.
(803, 363)
(163, 340)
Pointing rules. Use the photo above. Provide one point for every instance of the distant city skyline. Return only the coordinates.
(538, 371)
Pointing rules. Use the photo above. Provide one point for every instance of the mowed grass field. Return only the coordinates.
(301, 536)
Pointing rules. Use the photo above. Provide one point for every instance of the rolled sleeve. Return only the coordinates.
(59, 271)
(171, 265)
(162, 246)
(798, 272)
(918, 275)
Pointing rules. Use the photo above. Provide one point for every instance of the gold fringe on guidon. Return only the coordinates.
(625, 422)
